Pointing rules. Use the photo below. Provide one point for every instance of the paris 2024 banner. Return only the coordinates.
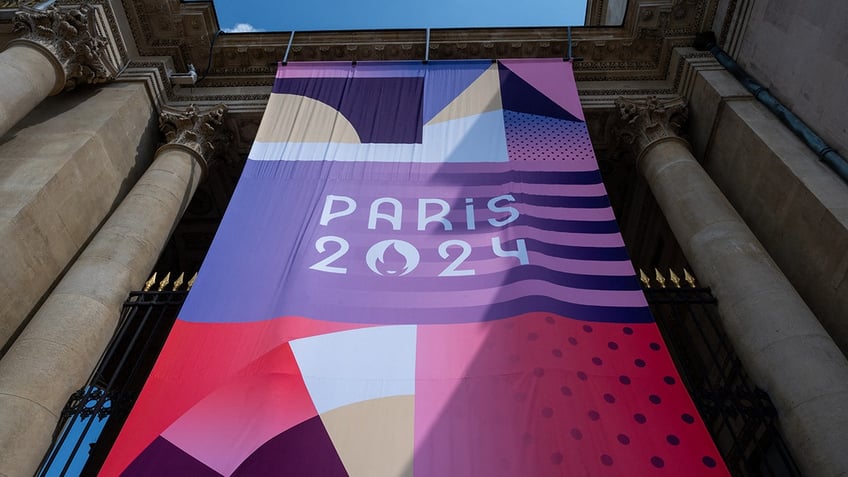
(419, 274)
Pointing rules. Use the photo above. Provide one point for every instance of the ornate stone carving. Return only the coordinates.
(201, 131)
(71, 37)
(641, 49)
(644, 122)
(16, 3)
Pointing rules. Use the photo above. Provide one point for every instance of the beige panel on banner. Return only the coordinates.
(481, 96)
(388, 423)
(298, 119)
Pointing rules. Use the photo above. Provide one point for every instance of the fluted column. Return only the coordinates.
(784, 347)
(59, 348)
(58, 49)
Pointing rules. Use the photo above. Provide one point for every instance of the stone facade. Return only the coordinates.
(79, 173)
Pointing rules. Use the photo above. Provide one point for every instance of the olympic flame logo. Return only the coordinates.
(392, 258)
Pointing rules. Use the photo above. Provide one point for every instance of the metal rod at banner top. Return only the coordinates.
(427, 47)
(288, 48)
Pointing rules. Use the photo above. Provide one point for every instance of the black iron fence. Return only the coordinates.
(740, 417)
(94, 415)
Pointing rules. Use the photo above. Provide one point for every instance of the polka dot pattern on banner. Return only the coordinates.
(530, 137)
(595, 391)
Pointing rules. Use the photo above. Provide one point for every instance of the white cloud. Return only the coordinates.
(242, 28)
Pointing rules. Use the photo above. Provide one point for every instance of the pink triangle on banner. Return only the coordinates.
(551, 80)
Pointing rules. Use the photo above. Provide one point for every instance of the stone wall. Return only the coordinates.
(797, 50)
(796, 206)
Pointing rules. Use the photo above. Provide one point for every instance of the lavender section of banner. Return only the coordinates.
(443, 245)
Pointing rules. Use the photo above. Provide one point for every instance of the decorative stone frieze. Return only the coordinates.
(643, 123)
(70, 37)
(203, 132)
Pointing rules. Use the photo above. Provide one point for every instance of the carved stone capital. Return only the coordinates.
(71, 38)
(643, 123)
(202, 132)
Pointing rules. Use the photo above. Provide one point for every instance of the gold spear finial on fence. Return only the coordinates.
(689, 278)
(659, 277)
(674, 278)
(191, 281)
(178, 282)
(644, 278)
(149, 283)
(165, 281)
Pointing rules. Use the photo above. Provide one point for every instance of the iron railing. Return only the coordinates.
(93, 416)
(740, 416)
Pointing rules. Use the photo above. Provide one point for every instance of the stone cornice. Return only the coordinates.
(153, 72)
(640, 49)
(635, 58)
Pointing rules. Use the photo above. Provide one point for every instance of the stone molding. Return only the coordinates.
(200, 131)
(70, 36)
(153, 72)
(646, 122)
(636, 58)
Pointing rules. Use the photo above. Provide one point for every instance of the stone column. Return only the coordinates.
(57, 50)
(778, 338)
(57, 351)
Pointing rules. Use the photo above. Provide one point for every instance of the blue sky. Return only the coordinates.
(306, 15)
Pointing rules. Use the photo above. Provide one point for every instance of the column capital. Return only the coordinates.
(643, 123)
(202, 132)
(70, 38)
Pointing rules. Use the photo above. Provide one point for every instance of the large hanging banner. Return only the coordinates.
(419, 274)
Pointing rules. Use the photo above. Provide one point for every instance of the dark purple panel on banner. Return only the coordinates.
(179, 463)
(378, 108)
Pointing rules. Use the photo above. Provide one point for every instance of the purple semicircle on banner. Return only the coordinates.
(304, 450)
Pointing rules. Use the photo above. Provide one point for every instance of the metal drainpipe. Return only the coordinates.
(707, 42)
